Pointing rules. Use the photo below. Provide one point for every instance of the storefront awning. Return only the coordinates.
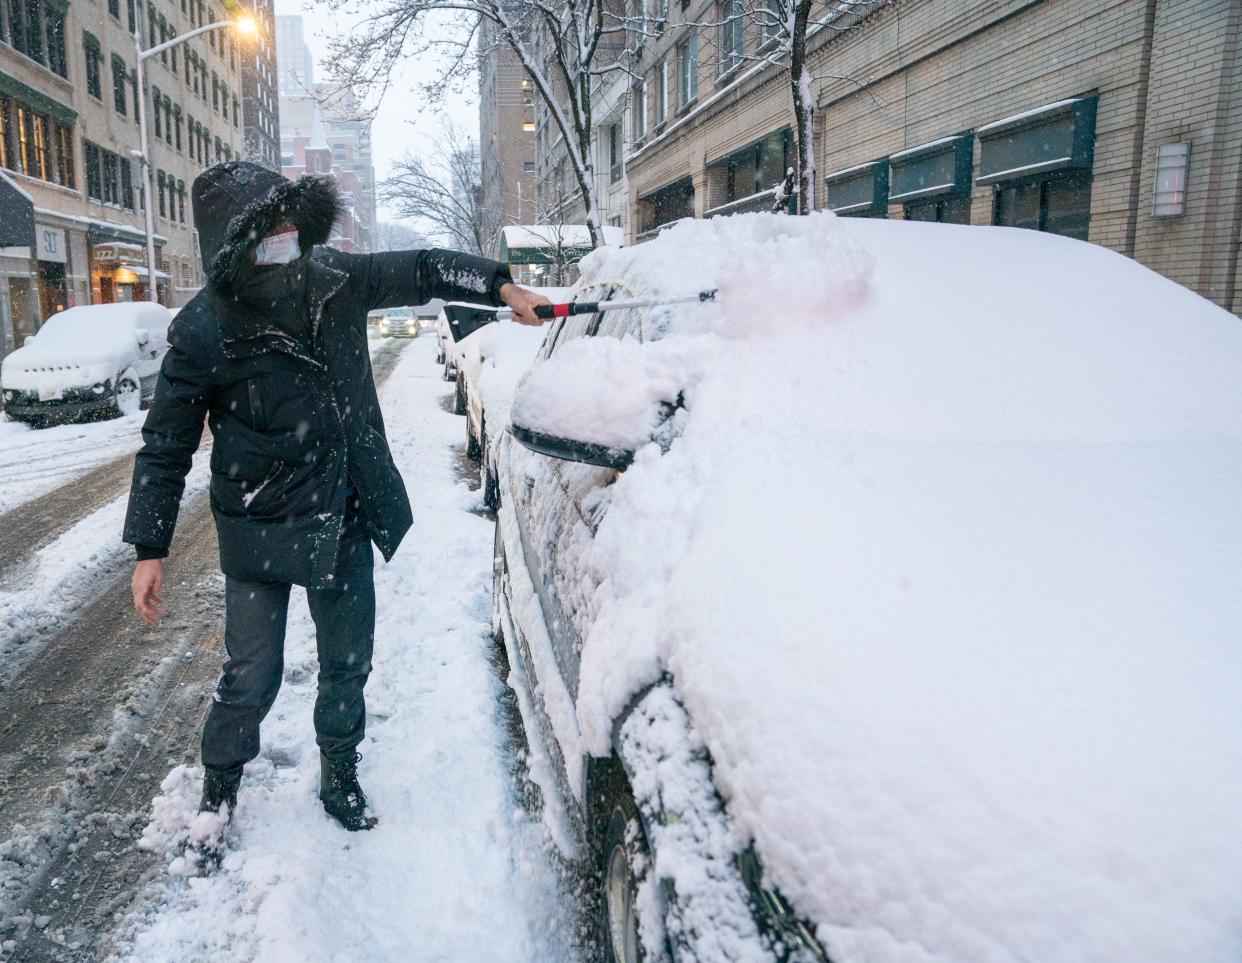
(551, 243)
(17, 227)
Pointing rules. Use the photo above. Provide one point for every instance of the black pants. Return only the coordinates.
(254, 635)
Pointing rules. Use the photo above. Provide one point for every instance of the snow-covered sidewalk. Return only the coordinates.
(456, 870)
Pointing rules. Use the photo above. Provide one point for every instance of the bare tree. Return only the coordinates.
(445, 191)
(784, 26)
(563, 45)
(391, 236)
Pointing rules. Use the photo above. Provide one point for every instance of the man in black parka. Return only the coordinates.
(272, 353)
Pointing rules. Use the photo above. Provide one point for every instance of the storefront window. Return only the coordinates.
(1058, 204)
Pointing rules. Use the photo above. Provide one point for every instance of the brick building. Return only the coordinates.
(506, 135)
(1118, 121)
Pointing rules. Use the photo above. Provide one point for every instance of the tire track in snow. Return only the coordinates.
(89, 725)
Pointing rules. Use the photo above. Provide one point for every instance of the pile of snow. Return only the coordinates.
(945, 565)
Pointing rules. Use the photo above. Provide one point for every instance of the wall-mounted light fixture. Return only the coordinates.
(1172, 168)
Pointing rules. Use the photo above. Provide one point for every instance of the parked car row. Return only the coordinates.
(859, 620)
(86, 363)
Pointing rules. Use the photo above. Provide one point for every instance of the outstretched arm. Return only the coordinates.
(398, 278)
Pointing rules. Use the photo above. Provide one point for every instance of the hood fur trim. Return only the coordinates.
(311, 203)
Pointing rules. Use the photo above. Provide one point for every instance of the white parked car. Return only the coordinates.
(928, 649)
(87, 362)
(447, 352)
(492, 360)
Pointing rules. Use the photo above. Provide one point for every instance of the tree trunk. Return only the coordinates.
(804, 131)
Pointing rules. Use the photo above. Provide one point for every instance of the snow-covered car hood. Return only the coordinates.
(945, 564)
(34, 367)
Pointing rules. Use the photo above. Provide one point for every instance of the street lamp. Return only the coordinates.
(247, 27)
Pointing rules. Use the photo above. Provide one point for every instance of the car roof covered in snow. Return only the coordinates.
(91, 321)
(945, 563)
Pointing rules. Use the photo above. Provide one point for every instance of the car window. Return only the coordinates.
(628, 321)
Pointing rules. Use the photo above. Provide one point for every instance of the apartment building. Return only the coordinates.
(260, 108)
(68, 130)
(1114, 121)
(506, 135)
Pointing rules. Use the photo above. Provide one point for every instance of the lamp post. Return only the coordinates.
(245, 25)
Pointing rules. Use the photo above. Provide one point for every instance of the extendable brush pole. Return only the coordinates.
(465, 319)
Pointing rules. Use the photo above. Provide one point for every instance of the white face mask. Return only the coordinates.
(278, 249)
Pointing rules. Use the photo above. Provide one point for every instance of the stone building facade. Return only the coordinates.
(1117, 121)
(67, 132)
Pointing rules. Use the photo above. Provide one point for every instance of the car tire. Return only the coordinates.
(622, 857)
(459, 397)
(127, 393)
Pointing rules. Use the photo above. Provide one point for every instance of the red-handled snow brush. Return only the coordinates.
(465, 319)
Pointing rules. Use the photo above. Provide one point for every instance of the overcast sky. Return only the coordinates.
(399, 126)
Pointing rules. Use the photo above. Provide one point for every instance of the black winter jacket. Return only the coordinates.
(294, 422)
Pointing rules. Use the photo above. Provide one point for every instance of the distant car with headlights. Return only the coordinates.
(398, 323)
(86, 363)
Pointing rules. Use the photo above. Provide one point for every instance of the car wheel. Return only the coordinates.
(449, 373)
(127, 394)
(459, 398)
(623, 859)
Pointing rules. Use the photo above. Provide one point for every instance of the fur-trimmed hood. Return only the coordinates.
(237, 204)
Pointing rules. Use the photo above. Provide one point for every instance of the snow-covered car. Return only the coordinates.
(444, 342)
(87, 362)
(449, 354)
(398, 323)
(929, 649)
(492, 360)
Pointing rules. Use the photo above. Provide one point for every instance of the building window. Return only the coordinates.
(528, 126)
(1058, 204)
(94, 82)
(160, 177)
(688, 69)
(114, 10)
(181, 201)
(111, 179)
(614, 152)
(155, 100)
(64, 156)
(57, 60)
(732, 34)
(215, 91)
(177, 120)
(119, 73)
(661, 93)
(168, 123)
(131, 14)
(945, 210)
(528, 167)
(638, 111)
(94, 182)
(224, 101)
(236, 112)
(107, 177)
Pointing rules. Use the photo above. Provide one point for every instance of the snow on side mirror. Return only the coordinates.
(598, 400)
(142, 336)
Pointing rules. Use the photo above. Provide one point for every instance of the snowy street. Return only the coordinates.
(99, 717)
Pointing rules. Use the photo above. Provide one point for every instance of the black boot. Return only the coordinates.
(341, 795)
(219, 789)
(219, 796)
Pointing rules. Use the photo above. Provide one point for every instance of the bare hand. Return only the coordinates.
(148, 580)
(523, 302)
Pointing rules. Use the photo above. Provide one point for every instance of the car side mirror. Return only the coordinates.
(142, 336)
(597, 401)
